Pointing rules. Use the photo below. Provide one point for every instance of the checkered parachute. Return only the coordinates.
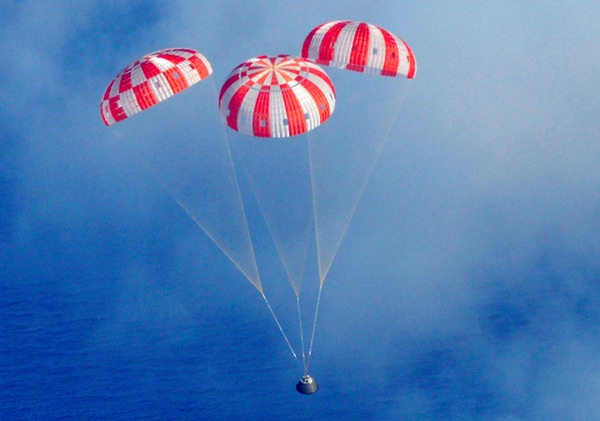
(153, 78)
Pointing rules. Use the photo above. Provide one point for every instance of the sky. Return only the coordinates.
(466, 287)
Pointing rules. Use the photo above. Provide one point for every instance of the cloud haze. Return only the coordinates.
(466, 286)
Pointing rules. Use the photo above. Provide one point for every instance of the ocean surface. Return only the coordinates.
(71, 350)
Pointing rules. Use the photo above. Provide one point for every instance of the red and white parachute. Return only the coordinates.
(150, 80)
(361, 47)
(278, 96)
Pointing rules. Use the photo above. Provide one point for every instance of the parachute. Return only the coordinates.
(153, 78)
(156, 106)
(277, 96)
(370, 107)
(283, 98)
(360, 47)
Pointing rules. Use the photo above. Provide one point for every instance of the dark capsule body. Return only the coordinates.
(307, 385)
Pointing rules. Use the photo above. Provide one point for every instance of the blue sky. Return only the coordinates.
(467, 283)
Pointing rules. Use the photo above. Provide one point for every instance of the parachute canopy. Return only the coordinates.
(151, 79)
(361, 47)
(277, 96)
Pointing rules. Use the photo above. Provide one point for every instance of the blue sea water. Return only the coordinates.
(68, 353)
(83, 338)
(71, 352)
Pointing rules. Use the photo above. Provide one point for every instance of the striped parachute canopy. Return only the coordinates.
(151, 79)
(360, 47)
(277, 96)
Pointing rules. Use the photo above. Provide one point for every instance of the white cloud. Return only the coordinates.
(481, 221)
